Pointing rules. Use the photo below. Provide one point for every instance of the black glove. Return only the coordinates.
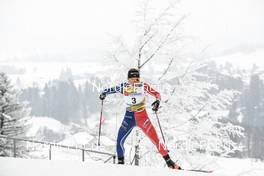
(102, 96)
(155, 105)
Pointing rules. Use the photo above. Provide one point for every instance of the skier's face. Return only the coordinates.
(133, 81)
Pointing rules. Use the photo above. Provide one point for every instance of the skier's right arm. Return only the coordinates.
(112, 90)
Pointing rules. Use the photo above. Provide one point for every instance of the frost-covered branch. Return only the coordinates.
(163, 41)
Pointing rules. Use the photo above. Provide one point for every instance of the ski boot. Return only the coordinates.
(171, 164)
(121, 160)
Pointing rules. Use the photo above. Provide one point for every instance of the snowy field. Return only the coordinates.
(18, 167)
(33, 167)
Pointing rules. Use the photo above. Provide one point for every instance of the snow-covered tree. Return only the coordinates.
(13, 118)
(193, 108)
(196, 113)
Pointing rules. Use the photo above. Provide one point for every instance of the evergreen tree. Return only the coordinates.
(253, 117)
(61, 101)
(33, 98)
(13, 117)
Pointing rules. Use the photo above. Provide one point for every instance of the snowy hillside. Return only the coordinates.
(243, 59)
(47, 129)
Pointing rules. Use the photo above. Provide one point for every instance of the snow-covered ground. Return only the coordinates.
(33, 167)
(235, 167)
(30, 167)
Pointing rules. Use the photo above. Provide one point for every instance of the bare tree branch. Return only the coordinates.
(146, 4)
(149, 29)
(145, 43)
(157, 20)
(187, 70)
(167, 69)
(164, 40)
(141, 48)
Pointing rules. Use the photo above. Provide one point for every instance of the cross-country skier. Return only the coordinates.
(134, 93)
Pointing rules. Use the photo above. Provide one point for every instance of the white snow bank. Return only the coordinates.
(80, 138)
(39, 123)
(46, 129)
(32, 167)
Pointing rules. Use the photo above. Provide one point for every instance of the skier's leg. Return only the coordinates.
(125, 129)
(145, 124)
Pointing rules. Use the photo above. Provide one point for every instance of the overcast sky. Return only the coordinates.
(81, 28)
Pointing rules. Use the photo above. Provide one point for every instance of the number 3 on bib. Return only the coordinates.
(134, 100)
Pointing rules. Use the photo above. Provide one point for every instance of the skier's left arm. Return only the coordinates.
(156, 94)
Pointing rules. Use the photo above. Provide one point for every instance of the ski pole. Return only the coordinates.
(100, 124)
(160, 128)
